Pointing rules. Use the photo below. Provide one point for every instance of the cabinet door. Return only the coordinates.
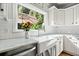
(58, 48)
(77, 14)
(8, 11)
(55, 16)
(60, 17)
(53, 51)
(51, 16)
(69, 16)
(61, 44)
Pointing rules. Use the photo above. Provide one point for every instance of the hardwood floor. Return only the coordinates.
(64, 54)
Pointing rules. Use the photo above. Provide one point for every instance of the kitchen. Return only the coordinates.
(50, 32)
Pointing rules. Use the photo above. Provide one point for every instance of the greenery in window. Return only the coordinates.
(30, 17)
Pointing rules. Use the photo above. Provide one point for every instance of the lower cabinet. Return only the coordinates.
(56, 49)
(50, 52)
(59, 46)
(70, 46)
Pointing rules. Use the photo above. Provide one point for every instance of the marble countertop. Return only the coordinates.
(9, 44)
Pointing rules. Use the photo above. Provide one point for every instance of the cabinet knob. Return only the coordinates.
(72, 23)
(2, 9)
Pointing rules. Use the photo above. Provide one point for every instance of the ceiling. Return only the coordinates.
(62, 5)
(45, 6)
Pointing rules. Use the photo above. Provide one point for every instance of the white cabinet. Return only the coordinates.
(57, 48)
(69, 17)
(77, 15)
(56, 16)
(60, 17)
(59, 45)
(52, 47)
(1, 8)
(7, 11)
(72, 15)
(52, 15)
(50, 52)
(69, 46)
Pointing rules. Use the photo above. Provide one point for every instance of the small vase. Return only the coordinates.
(26, 35)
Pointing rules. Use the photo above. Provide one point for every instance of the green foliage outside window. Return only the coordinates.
(39, 17)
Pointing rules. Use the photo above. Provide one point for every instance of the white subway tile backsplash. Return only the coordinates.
(68, 29)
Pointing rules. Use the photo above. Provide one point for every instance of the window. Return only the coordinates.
(30, 19)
